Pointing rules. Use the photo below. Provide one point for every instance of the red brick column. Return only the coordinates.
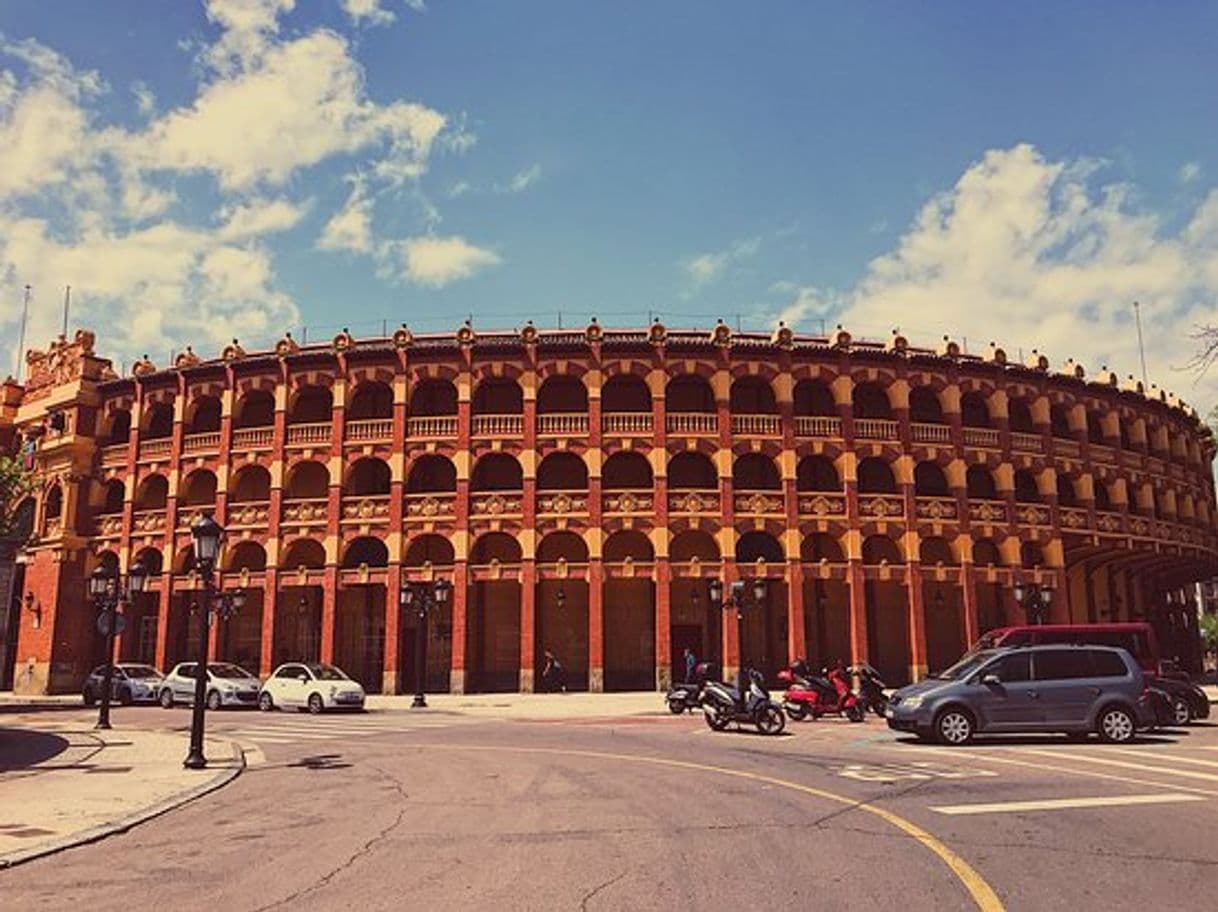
(390, 663)
(528, 623)
(270, 603)
(329, 612)
(969, 620)
(663, 596)
(460, 601)
(858, 612)
(596, 625)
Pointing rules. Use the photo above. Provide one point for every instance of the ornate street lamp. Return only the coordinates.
(423, 599)
(207, 535)
(738, 598)
(1034, 599)
(108, 590)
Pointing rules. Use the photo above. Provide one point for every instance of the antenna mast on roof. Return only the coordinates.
(25, 312)
(1137, 317)
(67, 305)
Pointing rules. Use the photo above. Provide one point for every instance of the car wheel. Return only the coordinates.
(315, 703)
(167, 698)
(265, 703)
(1116, 725)
(124, 697)
(214, 700)
(954, 727)
(1182, 714)
(89, 697)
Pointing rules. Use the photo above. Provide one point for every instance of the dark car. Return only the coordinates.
(1158, 704)
(1071, 689)
(1188, 701)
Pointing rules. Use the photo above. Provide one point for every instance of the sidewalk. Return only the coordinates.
(62, 784)
(536, 707)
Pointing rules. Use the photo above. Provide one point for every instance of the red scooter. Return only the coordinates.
(810, 695)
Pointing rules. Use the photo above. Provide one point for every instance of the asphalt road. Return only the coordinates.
(395, 810)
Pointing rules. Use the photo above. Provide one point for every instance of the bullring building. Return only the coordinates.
(579, 490)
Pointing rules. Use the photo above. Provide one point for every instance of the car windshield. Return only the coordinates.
(327, 673)
(141, 671)
(966, 666)
(224, 670)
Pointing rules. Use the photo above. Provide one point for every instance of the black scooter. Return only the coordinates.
(871, 688)
(723, 705)
(688, 695)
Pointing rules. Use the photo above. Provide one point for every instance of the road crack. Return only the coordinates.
(583, 903)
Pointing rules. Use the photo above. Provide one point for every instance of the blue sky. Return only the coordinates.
(197, 170)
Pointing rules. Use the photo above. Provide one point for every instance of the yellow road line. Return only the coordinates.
(982, 893)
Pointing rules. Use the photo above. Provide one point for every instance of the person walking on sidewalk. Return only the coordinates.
(553, 677)
(691, 662)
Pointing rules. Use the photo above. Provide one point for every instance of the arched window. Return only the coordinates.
(118, 428)
(199, 488)
(1031, 555)
(1026, 490)
(813, 397)
(753, 396)
(565, 546)
(980, 481)
(429, 549)
(1095, 429)
(870, 401)
(1020, 416)
(625, 393)
(562, 394)
(371, 399)
(495, 546)
(431, 474)
(255, 409)
(368, 551)
(691, 470)
(312, 405)
(53, 504)
(1066, 494)
(689, 393)
(368, 477)
(986, 553)
(498, 396)
(880, 549)
(151, 560)
(875, 477)
(250, 484)
(303, 552)
(307, 481)
(152, 493)
(934, 550)
(497, 472)
(924, 406)
(974, 410)
(1059, 422)
(817, 473)
(630, 544)
(158, 421)
(821, 546)
(433, 397)
(115, 493)
(752, 546)
(245, 555)
(929, 480)
(626, 470)
(562, 472)
(1102, 500)
(204, 416)
(755, 472)
(693, 543)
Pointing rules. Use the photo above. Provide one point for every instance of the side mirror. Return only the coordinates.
(991, 680)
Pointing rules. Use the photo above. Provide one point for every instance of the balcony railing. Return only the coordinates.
(498, 425)
(493, 504)
(1073, 517)
(694, 501)
(253, 438)
(563, 424)
(621, 503)
(207, 442)
(109, 524)
(758, 503)
(1067, 447)
(936, 509)
(1024, 442)
(930, 433)
(432, 505)
(309, 434)
(368, 429)
(987, 512)
(1101, 453)
(881, 506)
(155, 449)
(693, 423)
(305, 512)
(981, 437)
(875, 429)
(820, 503)
(1032, 514)
(372, 508)
(1108, 521)
(114, 455)
(818, 426)
(1155, 465)
(254, 514)
(622, 423)
(432, 427)
(562, 503)
(148, 521)
(757, 425)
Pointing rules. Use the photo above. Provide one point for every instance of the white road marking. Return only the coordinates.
(1063, 804)
(1140, 767)
(1162, 755)
(891, 772)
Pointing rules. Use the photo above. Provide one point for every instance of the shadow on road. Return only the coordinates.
(1169, 736)
(22, 748)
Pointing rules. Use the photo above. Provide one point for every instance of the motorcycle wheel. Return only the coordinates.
(878, 706)
(856, 713)
(770, 721)
(717, 719)
(676, 707)
(796, 711)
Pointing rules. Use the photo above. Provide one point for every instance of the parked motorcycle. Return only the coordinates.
(688, 695)
(871, 688)
(723, 704)
(816, 696)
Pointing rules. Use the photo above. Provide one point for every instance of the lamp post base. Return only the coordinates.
(419, 702)
(102, 726)
(195, 761)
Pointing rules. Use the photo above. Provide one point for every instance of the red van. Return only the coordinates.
(1138, 639)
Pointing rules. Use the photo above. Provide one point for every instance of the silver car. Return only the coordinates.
(1072, 689)
(131, 682)
(227, 685)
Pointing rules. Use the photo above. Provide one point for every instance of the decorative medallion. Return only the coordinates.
(898, 344)
(143, 366)
(187, 358)
(783, 337)
(721, 335)
(593, 333)
(232, 352)
(657, 334)
(841, 338)
(402, 337)
(344, 341)
(286, 346)
(465, 335)
(528, 335)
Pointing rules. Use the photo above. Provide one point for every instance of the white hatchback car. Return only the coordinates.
(227, 685)
(312, 686)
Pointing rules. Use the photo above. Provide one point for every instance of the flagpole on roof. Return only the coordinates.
(25, 312)
(67, 304)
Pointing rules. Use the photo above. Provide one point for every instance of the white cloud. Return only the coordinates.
(437, 261)
(145, 100)
(351, 227)
(521, 180)
(1035, 253)
(369, 11)
(257, 217)
(709, 267)
(459, 189)
(1189, 172)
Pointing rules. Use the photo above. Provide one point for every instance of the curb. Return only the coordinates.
(123, 824)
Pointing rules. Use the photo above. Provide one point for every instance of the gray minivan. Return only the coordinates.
(1071, 689)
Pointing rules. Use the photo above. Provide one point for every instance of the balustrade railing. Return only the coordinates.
(207, 442)
(1073, 517)
(370, 429)
(432, 426)
(626, 423)
(757, 425)
(692, 423)
(148, 521)
(253, 438)
(114, 454)
(309, 434)
(1024, 442)
(1101, 453)
(981, 437)
(1064, 446)
(987, 512)
(563, 424)
(876, 429)
(155, 449)
(920, 432)
(497, 425)
(1032, 514)
(818, 426)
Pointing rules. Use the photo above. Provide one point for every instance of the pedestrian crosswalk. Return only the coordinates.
(290, 729)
